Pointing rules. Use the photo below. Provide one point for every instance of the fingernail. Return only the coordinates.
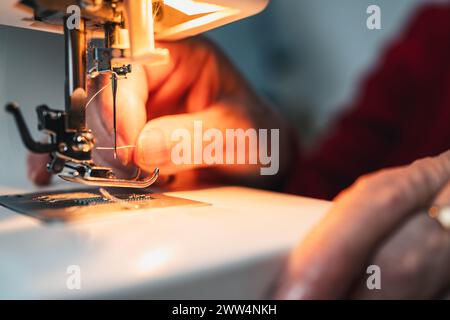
(39, 178)
(152, 148)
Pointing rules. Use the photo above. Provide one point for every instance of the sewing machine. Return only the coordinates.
(224, 242)
(129, 29)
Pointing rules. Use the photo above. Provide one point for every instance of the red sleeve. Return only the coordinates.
(369, 131)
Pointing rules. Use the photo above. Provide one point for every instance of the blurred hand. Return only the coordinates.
(199, 83)
(382, 220)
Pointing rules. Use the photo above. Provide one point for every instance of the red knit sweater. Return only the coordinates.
(402, 113)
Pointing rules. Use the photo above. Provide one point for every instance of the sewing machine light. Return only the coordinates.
(160, 20)
(185, 18)
(191, 7)
(175, 19)
(168, 20)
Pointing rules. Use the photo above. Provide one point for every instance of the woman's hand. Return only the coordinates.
(198, 84)
(382, 220)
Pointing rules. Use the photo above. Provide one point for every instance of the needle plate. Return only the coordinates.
(82, 204)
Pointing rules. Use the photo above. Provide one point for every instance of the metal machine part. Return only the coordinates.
(71, 142)
(91, 203)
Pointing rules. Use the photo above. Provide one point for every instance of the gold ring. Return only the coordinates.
(441, 214)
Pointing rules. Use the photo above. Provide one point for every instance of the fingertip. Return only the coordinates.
(152, 149)
(37, 169)
(42, 179)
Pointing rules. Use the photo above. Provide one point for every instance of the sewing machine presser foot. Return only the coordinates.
(104, 177)
(71, 151)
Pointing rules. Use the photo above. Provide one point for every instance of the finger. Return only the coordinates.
(443, 198)
(191, 81)
(37, 169)
(413, 262)
(132, 96)
(170, 84)
(332, 257)
(175, 143)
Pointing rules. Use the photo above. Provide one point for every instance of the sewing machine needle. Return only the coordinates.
(114, 89)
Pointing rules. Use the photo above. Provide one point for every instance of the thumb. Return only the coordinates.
(176, 143)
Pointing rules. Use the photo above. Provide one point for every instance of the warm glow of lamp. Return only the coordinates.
(191, 7)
